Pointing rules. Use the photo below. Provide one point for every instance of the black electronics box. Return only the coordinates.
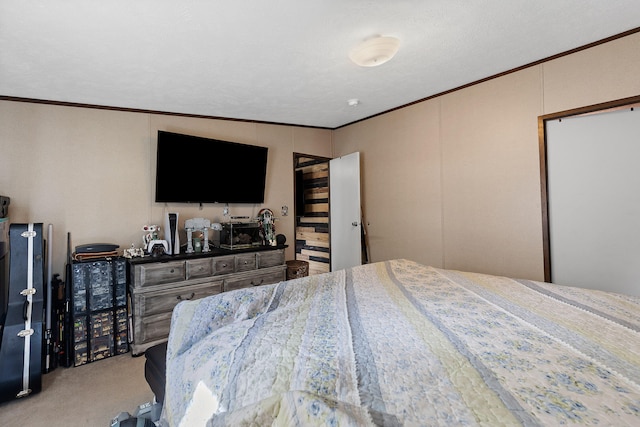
(96, 247)
(4, 206)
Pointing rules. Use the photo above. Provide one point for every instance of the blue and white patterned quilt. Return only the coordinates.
(399, 343)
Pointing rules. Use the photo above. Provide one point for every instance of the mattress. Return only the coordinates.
(400, 343)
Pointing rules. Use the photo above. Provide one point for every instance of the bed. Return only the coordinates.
(400, 343)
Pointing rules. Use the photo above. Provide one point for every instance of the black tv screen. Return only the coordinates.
(192, 169)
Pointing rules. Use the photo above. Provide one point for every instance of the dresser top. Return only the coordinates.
(214, 252)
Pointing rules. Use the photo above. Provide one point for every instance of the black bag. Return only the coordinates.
(125, 419)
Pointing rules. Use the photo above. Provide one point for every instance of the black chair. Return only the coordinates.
(154, 369)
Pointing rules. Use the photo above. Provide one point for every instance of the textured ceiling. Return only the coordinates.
(280, 61)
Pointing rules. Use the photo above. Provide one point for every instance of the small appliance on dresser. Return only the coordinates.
(240, 235)
(171, 233)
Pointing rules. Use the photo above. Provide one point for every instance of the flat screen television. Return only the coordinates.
(192, 169)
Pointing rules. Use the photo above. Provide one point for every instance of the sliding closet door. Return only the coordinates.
(593, 182)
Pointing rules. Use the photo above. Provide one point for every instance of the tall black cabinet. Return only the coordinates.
(99, 309)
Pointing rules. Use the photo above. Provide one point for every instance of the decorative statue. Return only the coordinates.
(267, 226)
(151, 233)
(197, 224)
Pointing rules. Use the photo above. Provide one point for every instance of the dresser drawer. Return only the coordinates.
(270, 258)
(159, 273)
(154, 302)
(197, 268)
(245, 262)
(277, 275)
(224, 265)
(153, 328)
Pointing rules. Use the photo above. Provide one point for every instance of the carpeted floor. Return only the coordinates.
(86, 396)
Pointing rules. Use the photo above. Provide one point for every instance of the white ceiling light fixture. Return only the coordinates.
(375, 51)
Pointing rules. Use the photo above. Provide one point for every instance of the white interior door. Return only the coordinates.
(594, 207)
(344, 211)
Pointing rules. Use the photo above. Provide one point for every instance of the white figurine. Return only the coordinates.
(151, 233)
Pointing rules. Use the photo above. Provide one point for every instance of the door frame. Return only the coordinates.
(318, 256)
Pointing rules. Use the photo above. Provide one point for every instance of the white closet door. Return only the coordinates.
(593, 172)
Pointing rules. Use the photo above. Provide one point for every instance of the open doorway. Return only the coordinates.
(313, 243)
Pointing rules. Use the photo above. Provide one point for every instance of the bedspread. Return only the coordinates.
(400, 343)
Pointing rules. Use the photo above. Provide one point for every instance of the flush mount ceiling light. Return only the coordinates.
(375, 51)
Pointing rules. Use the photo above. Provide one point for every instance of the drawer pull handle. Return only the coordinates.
(261, 282)
(179, 297)
(171, 271)
(224, 265)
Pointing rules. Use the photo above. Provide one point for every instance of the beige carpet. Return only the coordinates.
(86, 396)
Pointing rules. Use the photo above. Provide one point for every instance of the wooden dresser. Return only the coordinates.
(156, 285)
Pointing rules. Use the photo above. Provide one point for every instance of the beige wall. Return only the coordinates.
(92, 172)
(454, 181)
